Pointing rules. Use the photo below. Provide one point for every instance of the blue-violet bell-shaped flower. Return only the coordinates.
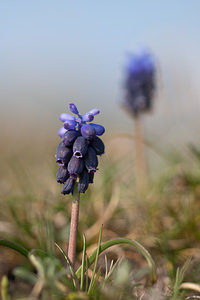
(62, 174)
(91, 160)
(75, 166)
(63, 154)
(77, 152)
(83, 181)
(98, 146)
(68, 186)
(88, 132)
(80, 147)
(69, 137)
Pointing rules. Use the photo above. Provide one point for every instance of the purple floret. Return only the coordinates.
(73, 108)
(80, 147)
(94, 111)
(88, 132)
(70, 124)
(68, 186)
(61, 131)
(87, 117)
(66, 117)
(98, 128)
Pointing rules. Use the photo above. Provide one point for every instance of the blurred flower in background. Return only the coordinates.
(140, 73)
(140, 77)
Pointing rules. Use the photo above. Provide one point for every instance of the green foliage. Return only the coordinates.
(54, 278)
(165, 219)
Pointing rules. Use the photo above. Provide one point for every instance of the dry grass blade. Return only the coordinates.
(190, 286)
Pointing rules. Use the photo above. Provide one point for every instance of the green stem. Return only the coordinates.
(73, 228)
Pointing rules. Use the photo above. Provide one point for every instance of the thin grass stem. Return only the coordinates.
(95, 263)
(83, 262)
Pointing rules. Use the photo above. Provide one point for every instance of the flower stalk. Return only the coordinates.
(74, 228)
(141, 167)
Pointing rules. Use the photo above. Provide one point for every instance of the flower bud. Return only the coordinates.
(73, 108)
(61, 131)
(70, 124)
(75, 166)
(94, 111)
(91, 160)
(98, 128)
(98, 146)
(69, 137)
(83, 181)
(80, 147)
(68, 186)
(87, 117)
(66, 117)
(62, 174)
(88, 132)
(63, 154)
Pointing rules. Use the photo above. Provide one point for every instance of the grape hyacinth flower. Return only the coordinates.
(76, 156)
(139, 85)
(140, 74)
(78, 150)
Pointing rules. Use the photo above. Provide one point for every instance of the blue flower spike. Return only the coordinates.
(140, 77)
(77, 152)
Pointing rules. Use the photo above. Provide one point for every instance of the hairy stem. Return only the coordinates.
(141, 172)
(73, 228)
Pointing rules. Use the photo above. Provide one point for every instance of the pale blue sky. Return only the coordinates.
(56, 52)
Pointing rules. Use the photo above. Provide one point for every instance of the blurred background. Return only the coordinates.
(53, 53)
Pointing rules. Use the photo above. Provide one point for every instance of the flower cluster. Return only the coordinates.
(139, 82)
(77, 152)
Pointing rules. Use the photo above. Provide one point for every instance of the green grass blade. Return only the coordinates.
(15, 247)
(94, 283)
(83, 262)
(95, 263)
(74, 277)
(112, 269)
(180, 274)
(118, 241)
(86, 274)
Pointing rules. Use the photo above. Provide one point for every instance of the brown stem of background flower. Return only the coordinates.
(73, 228)
(141, 170)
